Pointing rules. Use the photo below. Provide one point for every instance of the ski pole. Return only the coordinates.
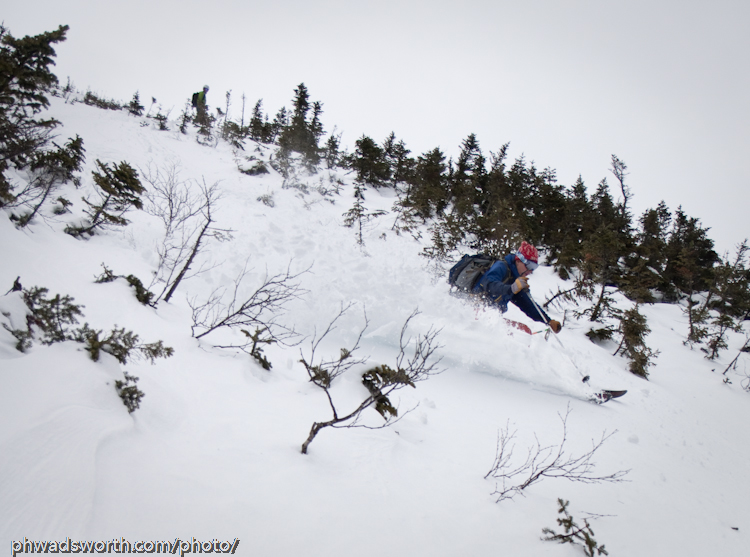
(544, 317)
(546, 322)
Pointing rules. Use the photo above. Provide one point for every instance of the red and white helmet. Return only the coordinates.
(528, 255)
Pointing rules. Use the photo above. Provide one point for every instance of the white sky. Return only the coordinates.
(662, 84)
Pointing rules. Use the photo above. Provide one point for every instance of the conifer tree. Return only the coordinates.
(185, 117)
(645, 265)
(469, 178)
(634, 329)
(257, 123)
(548, 207)
(370, 164)
(428, 191)
(397, 156)
(599, 266)
(280, 121)
(135, 107)
(599, 270)
(332, 150)
(574, 533)
(619, 169)
(579, 227)
(358, 216)
(729, 301)
(302, 133)
(316, 129)
(25, 80)
(119, 191)
(50, 170)
(690, 257)
(496, 224)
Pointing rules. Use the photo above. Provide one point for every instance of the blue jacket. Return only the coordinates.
(496, 284)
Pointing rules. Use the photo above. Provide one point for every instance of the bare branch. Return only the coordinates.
(544, 462)
(169, 198)
(418, 367)
(225, 309)
(380, 381)
(323, 373)
(189, 222)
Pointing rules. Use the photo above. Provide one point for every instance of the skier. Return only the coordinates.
(506, 281)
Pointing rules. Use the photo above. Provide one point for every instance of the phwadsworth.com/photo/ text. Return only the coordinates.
(176, 547)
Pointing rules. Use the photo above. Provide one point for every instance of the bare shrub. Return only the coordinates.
(187, 212)
(228, 308)
(544, 462)
(380, 381)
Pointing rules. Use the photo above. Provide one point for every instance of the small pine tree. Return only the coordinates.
(697, 315)
(332, 150)
(257, 341)
(129, 392)
(51, 316)
(120, 343)
(259, 127)
(49, 319)
(142, 294)
(162, 119)
(358, 216)
(185, 118)
(574, 533)
(51, 169)
(204, 121)
(634, 329)
(135, 107)
(120, 191)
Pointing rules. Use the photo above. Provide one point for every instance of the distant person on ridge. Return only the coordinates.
(199, 101)
(506, 281)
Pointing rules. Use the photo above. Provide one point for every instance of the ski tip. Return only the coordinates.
(615, 394)
(603, 396)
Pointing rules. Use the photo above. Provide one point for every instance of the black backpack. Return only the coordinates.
(465, 274)
(195, 99)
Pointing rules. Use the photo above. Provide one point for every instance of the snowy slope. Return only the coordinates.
(214, 450)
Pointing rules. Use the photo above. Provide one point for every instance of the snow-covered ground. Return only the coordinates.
(214, 450)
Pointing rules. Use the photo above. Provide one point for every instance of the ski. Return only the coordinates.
(603, 396)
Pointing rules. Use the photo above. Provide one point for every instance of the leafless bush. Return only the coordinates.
(544, 462)
(169, 198)
(189, 222)
(380, 381)
(229, 308)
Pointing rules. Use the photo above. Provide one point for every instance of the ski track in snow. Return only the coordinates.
(213, 452)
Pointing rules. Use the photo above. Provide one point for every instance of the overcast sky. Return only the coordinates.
(663, 84)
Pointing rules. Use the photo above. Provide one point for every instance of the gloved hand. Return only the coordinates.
(521, 283)
(555, 325)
